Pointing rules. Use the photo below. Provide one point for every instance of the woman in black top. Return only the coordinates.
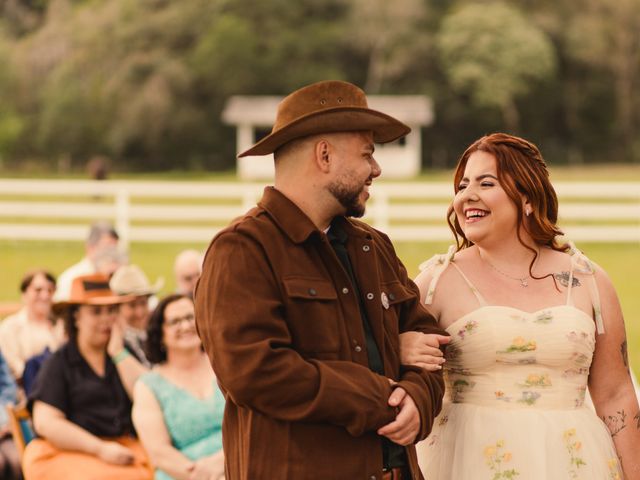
(81, 405)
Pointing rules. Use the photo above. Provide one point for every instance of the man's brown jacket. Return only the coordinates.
(279, 319)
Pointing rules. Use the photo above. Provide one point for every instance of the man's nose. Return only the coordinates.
(376, 169)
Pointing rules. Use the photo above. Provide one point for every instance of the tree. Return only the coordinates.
(493, 53)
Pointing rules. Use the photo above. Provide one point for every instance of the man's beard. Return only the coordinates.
(348, 197)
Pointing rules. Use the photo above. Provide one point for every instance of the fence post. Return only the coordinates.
(381, 209)
(123, 224)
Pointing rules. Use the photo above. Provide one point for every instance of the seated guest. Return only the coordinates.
(9, 461)
(130, 280)
(102, 237)
(80, 401)
(187, 268)
(31, 330)
(178, 408)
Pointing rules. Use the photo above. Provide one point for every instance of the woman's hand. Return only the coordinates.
(208, 468)
(113, 452)
(422, 350)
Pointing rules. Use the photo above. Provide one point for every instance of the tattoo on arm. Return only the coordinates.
(615, 423)
(563, 278)
(637, 419)
(623, 352)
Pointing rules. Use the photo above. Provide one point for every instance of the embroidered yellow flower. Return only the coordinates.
(489, 451)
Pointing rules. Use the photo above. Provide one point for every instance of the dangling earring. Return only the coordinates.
(527, 212)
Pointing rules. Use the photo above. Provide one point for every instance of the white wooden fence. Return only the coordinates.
(185, 211)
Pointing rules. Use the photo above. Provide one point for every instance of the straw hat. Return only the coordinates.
(326, 107)
(131, 280)
(91, 290)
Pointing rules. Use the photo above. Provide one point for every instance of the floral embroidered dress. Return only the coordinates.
(517, 382)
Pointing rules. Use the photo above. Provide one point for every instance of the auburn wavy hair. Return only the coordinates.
(521, 172)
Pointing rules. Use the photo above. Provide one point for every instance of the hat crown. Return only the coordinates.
(130, 279)
(87, 287)
(317, 97)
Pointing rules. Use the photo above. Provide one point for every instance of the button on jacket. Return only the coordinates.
(283, 329)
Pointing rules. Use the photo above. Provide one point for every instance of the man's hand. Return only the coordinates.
(422, 350)
(404, 429)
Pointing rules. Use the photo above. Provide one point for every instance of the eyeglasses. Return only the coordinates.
(175, 321)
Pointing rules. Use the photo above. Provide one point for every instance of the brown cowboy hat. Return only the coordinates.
(91, 290)
(326, 107)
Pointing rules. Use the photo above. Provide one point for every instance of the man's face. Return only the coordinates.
(354, 172)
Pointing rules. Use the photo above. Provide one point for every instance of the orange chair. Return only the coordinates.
(21, 427)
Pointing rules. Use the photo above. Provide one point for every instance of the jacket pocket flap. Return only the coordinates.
(310, 288)
(396, 292)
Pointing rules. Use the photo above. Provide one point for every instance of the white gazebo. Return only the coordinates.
(253, 117)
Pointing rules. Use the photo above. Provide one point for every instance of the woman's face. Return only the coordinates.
(38, 295)
(179, 327)
(94, 324)
(484, 210)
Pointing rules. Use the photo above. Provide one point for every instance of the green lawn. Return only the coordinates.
(621, 261)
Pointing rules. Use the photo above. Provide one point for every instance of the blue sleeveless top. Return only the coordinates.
(194, 424)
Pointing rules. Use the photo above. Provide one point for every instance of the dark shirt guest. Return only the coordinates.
(81, 404)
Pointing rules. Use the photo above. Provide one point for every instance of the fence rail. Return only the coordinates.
(143, 211)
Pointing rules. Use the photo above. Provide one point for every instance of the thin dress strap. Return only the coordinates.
(475, 291)
(437, 265)
(582, 264)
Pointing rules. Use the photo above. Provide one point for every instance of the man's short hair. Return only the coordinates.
(100, 229)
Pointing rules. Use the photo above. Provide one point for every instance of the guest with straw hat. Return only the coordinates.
(130, 280)
(81, 400)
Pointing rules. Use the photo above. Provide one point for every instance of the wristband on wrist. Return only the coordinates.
(124, 353)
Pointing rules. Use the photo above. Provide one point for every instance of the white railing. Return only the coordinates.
(143, 211)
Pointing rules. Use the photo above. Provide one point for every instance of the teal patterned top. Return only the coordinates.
(194, 424)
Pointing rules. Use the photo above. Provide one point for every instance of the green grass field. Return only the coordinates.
(621, 261)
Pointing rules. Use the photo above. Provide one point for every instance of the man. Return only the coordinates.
(100, 251)
(187, 268)
(299, 308)
(131, 281)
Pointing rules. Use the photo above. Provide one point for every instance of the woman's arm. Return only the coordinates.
(152, 430)
(129, 368)
(51, 424)
(421, 349)
(610, 381)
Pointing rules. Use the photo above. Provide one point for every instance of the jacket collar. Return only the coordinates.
(286, 214)
(295, 223)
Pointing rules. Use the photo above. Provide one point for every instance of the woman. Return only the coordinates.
(81, 405)
(31, 330)
(178, 407)
(532, 323)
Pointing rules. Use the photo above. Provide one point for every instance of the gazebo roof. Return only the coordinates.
(261, 110)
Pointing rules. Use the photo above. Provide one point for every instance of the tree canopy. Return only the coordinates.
(143, 82)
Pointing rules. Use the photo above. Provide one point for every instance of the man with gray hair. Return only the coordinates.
(101, 255)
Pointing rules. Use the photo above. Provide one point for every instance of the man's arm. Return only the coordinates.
(241, 321)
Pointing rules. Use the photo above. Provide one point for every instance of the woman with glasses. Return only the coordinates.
(178, 407)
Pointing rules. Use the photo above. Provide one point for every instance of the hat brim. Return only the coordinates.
(105, 300)
(340, 119)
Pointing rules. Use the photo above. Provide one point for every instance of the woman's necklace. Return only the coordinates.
(523, 281)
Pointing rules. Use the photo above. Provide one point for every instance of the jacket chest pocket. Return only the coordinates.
(312, 313)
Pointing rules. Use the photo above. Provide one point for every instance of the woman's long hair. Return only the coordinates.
(521, 171)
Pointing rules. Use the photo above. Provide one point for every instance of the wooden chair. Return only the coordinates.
(21, 427)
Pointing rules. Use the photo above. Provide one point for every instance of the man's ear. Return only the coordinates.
(323, 155)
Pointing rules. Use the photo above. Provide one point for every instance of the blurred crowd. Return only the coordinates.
(113, 376)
